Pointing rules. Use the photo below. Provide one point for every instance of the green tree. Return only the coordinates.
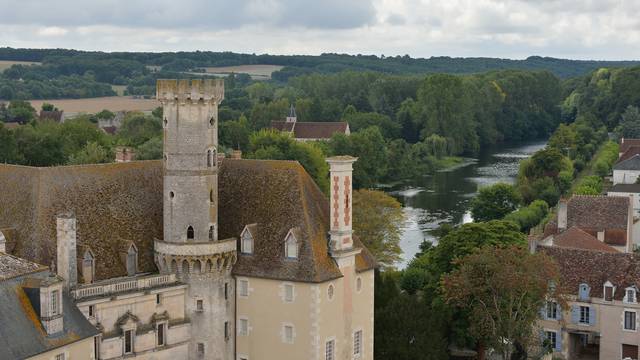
(21, 111)
(92, 153)
(369, 147)
(235, 134)
(529, 216)
(8, 151)
(494, 202)
(138, 128)
(378, 220)
(150, 149)
(503, 290)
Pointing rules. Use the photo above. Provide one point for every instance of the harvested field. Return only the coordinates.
(94, 105)
(5, 64)
(119, 89)
(257, 72)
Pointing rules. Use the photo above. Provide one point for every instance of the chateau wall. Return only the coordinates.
(79, 350)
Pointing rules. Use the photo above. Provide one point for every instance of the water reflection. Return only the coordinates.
(445, 196)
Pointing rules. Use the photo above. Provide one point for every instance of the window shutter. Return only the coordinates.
(575, 314)
(543, 312)
(558, 341)
(592, 315)
(558, 312)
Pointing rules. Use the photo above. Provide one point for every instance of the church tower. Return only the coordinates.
(190, 247)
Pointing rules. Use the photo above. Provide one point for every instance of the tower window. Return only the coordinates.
(211, 233)
(209, 159)
(212, 121)
(165, 122)
(211, 199)
(160, 334)
(190, 233)
(172, 194)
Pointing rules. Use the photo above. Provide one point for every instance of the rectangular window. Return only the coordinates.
(630, 320)
(158, 299)
(552, 339)
(244, 327)
(584, 315)
(357, 343)
(288, 293)
(128, 341)
(55, 303)
(160, 334)
(199, 305)
(200, 347)
(226, 291)
(96, 347)
(92, 311)
(60, 356)
(329, 350)
(243, 288)
(226, 330)
(552, 310)
(631, 296)
(288, 334)
(608, 293)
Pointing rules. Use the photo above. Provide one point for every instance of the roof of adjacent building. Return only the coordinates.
(595, 268)
(625, 188)
(574, 238)
(625, 144)
(632, 163)
(598, 212)
(21, 332)
(12, 266)
(55, 115)
(632, 150)
(311, 130)
(116, 204)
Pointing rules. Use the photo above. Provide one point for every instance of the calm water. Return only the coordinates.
(445, 196)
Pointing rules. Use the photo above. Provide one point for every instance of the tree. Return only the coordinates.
(494, 202)
(21, 111)
(503, 289)
(48, 107)
(92, 153)
(630, 123)
(369, 147)
(150, 149)
(138, 128)
(8, 151)
(377, 221)
(235, 134)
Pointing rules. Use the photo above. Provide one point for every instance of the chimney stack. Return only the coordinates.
(562, 214)
(340, 185)
(124, 154)
(66, 241)
(236, 154)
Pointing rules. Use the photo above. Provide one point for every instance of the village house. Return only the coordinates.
(310, 131)
(627, 171)
(626, 144)
(191, 257)
(608, 219)
(600, 320)
(628, 190)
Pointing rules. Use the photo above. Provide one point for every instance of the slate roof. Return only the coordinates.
(22, 334)
(122, 202)
(632, 163)
(311, 130)
(595, 268)
(625, 188)
(575, 238)
(625, 144)
(632, 150)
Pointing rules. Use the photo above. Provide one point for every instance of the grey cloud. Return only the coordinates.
(208, 14)
(396, 19)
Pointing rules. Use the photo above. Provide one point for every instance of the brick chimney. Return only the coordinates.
(124, 154)
(66, 241)
(340, 170)
(236, 154)
(562, 214)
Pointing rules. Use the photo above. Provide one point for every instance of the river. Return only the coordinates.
(445, 196)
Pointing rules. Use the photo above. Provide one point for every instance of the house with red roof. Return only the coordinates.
(310, 131)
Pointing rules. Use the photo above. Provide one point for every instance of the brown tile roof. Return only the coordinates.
(600, 213)
(625, 144)
(311, 130)
(632, 150)
(575, 238)
(51, 115)
(12, 266)
(595, 268)
(118, 203)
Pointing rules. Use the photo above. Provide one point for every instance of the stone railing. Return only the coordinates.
(121, 285)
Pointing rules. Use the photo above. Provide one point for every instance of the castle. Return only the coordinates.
(190, 257)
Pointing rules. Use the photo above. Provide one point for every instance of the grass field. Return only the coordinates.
(94, 105)
(257, 72)
(5, 64)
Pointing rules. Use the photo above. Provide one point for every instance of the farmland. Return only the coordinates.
(257, 72)
(94, 105)
(5, 64)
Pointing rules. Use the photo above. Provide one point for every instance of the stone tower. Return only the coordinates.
(190, 247)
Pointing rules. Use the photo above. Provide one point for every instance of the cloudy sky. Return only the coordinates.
(577, 29)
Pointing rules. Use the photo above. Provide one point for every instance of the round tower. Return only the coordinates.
(190, 247)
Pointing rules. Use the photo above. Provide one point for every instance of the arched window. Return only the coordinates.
(211, 199)
(212, 121)
(132, 260)
(209, 158)
(246, 244)
(211, 233)
(88, 267)
(190, 234)
(291, 246)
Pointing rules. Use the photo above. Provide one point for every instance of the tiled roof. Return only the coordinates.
(595, 268)
(311, 130)
(21, 332)
(632, 163)
(625, 188)
(12, 266)
(51, 115)
(598, 212)
(575, 238)
(632, 150)
(625, 144)
(118, 203)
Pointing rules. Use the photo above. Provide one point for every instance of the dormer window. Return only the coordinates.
(583, 292)
(609, 290)
(54, 303)
(291, 246)
(132, 260)
(88, 267)
(246, 244)
(190, 233)
(630, 295)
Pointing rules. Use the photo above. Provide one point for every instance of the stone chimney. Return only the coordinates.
(340, 185)
(3, 243)
(66, 240)
(124, 154)
(236, 154)
(562, 214)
